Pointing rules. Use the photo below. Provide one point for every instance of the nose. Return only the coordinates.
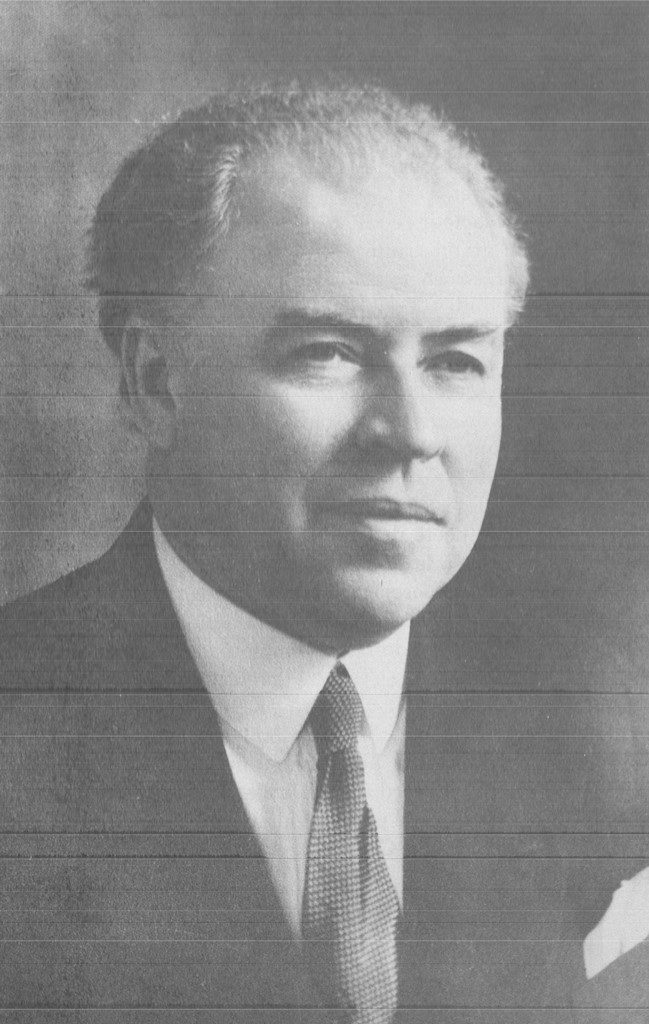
(400, 422)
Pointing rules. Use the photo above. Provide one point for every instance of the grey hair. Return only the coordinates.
(158, 223)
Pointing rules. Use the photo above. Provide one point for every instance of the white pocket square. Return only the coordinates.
(624, 925)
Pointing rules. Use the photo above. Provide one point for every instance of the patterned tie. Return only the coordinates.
(350, 909)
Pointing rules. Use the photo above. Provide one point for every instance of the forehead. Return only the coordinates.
(390, 247)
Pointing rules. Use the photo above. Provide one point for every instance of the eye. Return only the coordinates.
(322, 352)
(457, 363)
(322, 361)
(325, 351)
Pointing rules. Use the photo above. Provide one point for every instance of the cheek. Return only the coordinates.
(275, 440)
(474, 455)
(300, 435)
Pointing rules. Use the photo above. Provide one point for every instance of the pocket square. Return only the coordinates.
(624, 925)
(620, 992)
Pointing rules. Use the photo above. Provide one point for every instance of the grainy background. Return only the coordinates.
(555, 95)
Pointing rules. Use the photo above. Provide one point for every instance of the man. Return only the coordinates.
(241, 782)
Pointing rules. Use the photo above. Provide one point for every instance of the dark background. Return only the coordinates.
(556, 96)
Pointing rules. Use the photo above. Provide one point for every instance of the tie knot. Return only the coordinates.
(337, 714)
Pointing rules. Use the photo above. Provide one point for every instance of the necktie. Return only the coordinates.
(350, 909)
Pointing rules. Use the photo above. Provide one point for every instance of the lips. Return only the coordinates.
(383, 508)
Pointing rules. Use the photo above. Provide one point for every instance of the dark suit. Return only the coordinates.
(124, 835)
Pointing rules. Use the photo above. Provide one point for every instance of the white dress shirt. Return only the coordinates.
(263, 684)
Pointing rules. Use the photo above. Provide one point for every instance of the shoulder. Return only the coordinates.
(88, 629)
(63, 635)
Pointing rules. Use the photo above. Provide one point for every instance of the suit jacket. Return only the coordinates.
(133, 879)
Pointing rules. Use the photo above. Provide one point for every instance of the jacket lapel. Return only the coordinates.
(484, 910)
(186, 788)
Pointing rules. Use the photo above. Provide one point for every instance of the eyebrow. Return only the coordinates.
(302, 319)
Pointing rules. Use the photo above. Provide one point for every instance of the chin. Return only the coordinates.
(370, 606)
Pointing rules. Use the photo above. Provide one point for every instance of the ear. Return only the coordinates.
(145, 385)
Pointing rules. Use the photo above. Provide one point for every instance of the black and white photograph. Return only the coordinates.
(324, 512)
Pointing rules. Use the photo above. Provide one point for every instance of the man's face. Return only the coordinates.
(339, 411)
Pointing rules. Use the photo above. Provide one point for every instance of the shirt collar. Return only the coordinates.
(262, 682)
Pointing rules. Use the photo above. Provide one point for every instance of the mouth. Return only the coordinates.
(387, 509)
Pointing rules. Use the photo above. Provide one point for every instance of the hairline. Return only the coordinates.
(258, 189)
(252, 145)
